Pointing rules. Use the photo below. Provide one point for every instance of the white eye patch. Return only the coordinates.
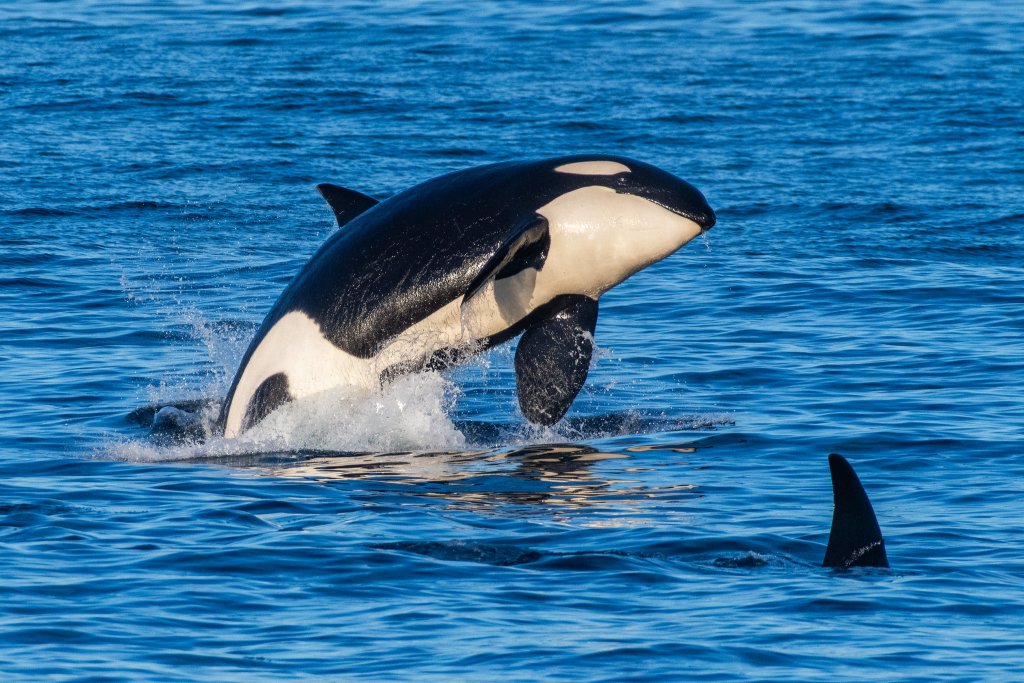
(594, 168)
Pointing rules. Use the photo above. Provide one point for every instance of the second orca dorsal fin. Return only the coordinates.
(345, 203)
(526, 248)
(855, 539)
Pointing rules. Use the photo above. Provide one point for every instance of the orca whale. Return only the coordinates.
(461, 263)
(855, 539)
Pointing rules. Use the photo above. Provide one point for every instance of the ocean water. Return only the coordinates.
(861, 294)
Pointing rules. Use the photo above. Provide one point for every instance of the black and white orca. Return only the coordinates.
(461, 263)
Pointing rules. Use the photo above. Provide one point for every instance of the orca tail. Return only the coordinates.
(855, 539)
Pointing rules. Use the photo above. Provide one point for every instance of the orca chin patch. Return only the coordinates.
(594, 168)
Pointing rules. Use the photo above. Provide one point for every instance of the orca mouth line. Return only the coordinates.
(688, 203)
(705, 221)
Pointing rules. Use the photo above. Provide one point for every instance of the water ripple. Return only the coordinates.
(860, 294)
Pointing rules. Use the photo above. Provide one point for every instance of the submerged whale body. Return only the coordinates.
(461, 263)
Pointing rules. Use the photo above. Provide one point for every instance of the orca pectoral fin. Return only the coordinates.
(553, 358)
(526, 248)
(345, 203)
(855, 539)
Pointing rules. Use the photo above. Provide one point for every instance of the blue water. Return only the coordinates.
(861, 294)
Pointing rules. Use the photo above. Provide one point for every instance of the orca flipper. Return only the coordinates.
(553, 358)
(526, 248)
(345, 203)
(855, 539)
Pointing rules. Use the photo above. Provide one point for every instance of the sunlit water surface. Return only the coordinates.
(861, 294)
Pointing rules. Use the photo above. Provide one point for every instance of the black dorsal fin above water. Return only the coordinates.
(855, 539)
(345, 203)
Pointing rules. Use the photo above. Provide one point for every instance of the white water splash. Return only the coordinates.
(409, 414)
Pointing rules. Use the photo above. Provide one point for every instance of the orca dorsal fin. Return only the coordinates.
(855, 539)
(345, 203)
(527, 247)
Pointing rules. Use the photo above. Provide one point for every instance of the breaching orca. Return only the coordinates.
(458, 264)
(855, 539)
